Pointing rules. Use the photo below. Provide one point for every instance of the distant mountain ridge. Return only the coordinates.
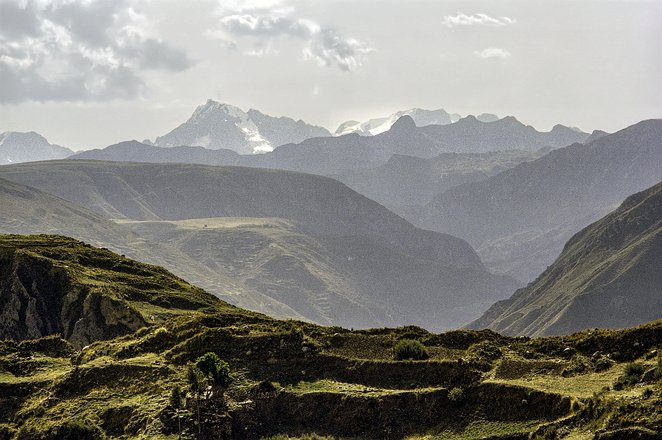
(519, 219)
(375, 126)
(336, 155)
(409, 180)
(215, 125)
(17, 147)
(608, 275)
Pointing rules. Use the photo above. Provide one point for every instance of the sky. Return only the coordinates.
(90, 73)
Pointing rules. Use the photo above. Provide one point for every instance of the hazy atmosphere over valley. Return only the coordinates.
(343, 219)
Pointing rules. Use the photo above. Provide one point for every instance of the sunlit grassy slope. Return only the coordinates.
(294, 379)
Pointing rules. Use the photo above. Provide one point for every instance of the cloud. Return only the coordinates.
(266, 26)
(492, 53)
(63, 50)
(462, 19)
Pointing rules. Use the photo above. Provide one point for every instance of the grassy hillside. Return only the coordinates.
(330, 280)
(322, 206)
(53, 284)
(30, 211)
(608, 275)
(298, 380)
(311, 248)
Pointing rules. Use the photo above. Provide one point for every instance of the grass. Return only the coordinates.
(477, 430)
(326, 380)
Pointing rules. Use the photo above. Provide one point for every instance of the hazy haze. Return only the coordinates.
(87, 74)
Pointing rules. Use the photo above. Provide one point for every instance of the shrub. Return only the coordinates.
(485, 351)
(177, 399)
(410, 349)
(196, 380)
(215, 368)
(631, 375)
(456, 395)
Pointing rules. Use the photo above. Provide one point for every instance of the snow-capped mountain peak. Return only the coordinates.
(218, 125)
(29, 146)
(375, 126)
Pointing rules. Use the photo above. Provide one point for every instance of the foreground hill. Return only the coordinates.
(520, 219)
(292, 379)
(608, 275)
(293, 245)
(216, 125)
(16, 147)
(56, 285)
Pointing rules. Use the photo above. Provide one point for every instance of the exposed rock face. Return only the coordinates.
(40, 299)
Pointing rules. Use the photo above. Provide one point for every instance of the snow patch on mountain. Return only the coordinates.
(217, 125)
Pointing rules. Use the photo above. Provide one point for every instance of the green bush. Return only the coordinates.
(215, 368)
(410, 349)
(456, 395)
(631, 375)
(485, 351)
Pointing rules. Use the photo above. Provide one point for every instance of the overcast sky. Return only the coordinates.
(86, 74)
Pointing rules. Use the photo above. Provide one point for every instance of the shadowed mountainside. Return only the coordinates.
(56, 285)
(608, 275)
(328, 249)
(519, 219)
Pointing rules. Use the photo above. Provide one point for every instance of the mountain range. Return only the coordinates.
(335, 155)
(421, 118)
(16, 147)
(519, 219)
(300, 245)
(608, 275)
(409, 182)
(215, 125)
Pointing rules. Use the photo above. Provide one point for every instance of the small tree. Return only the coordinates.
(197, 382)
(215, 368)
(178, 402)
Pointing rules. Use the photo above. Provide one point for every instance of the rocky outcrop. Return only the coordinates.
(37, 298)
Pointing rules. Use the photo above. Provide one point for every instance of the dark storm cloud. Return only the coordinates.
(78, 51)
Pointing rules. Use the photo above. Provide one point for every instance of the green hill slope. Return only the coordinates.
(27, 210)
(290, 379)
(608, 275)
(322, 206)
(331, 256)
(53, 284)
(352, 282)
